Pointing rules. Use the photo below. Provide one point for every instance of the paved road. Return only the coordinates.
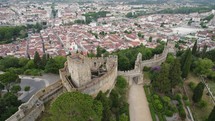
(35, 84)
(138, 105)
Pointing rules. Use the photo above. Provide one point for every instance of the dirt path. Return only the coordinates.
(138, 105)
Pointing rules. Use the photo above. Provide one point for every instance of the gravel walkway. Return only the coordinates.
(138, 105)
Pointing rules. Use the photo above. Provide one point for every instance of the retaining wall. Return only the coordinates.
(32, 109)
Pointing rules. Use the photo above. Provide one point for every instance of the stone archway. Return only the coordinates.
(135, 79)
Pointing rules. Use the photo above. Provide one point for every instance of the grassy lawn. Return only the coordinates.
(211, 84)
(200, 114)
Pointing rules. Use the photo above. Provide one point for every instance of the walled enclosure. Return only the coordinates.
(32, 109)
(89, 75)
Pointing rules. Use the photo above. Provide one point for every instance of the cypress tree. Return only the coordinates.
(37, 59)
(204, 51)
(198, 92)
(187, 64)
(194, 50)
(163, 79)
(44, 60)
(175, 73)
(212, 115)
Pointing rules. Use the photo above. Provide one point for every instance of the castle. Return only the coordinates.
(89, 75)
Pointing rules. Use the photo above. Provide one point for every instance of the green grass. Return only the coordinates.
(200, 114)
(211, 84)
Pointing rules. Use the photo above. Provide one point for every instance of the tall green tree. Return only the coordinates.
(44, 60)
(106, 113)
(187, 64)
(162, 82)
(37, 59)
(194, 50)
(175, 73)
(203, 53)
(212, 115)
(198, 92)
(51, 66)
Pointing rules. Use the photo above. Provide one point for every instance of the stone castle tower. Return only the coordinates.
(89, 75)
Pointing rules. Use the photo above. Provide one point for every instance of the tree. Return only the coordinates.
(60, 60)
(51, 66)
(8, 62)
(37, 59)
(203, 66)
(198, 92)
(194, 50)
(100, 51)
(7, 79)
(15, 88)
(23, 61)
(106, 113)
(175, 73)
(150, 39)
(162, 82)
(44, 60)
(203, 53)
(212, 115)
(30, 65)
(187, 64)
(80, 107)
(9, 104)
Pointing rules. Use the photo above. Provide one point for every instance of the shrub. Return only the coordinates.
(15, 88)
(146, 68)
(27, 88)
(169, 113)
(33, 72)
(185, 97)
(166, 99)
(156, 101)
(202, 104)
(192, 85)
(178, 96)
(152, 112)
(187, 103)
(155, 96)
(159, 106)
(182, 112)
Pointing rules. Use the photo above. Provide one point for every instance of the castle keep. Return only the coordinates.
(89, 75)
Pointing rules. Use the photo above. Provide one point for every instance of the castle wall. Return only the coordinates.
(103, 83)
(32, 109)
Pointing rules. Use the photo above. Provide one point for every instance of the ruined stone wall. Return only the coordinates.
(156, 60)
(32, 109)
(103, 83)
